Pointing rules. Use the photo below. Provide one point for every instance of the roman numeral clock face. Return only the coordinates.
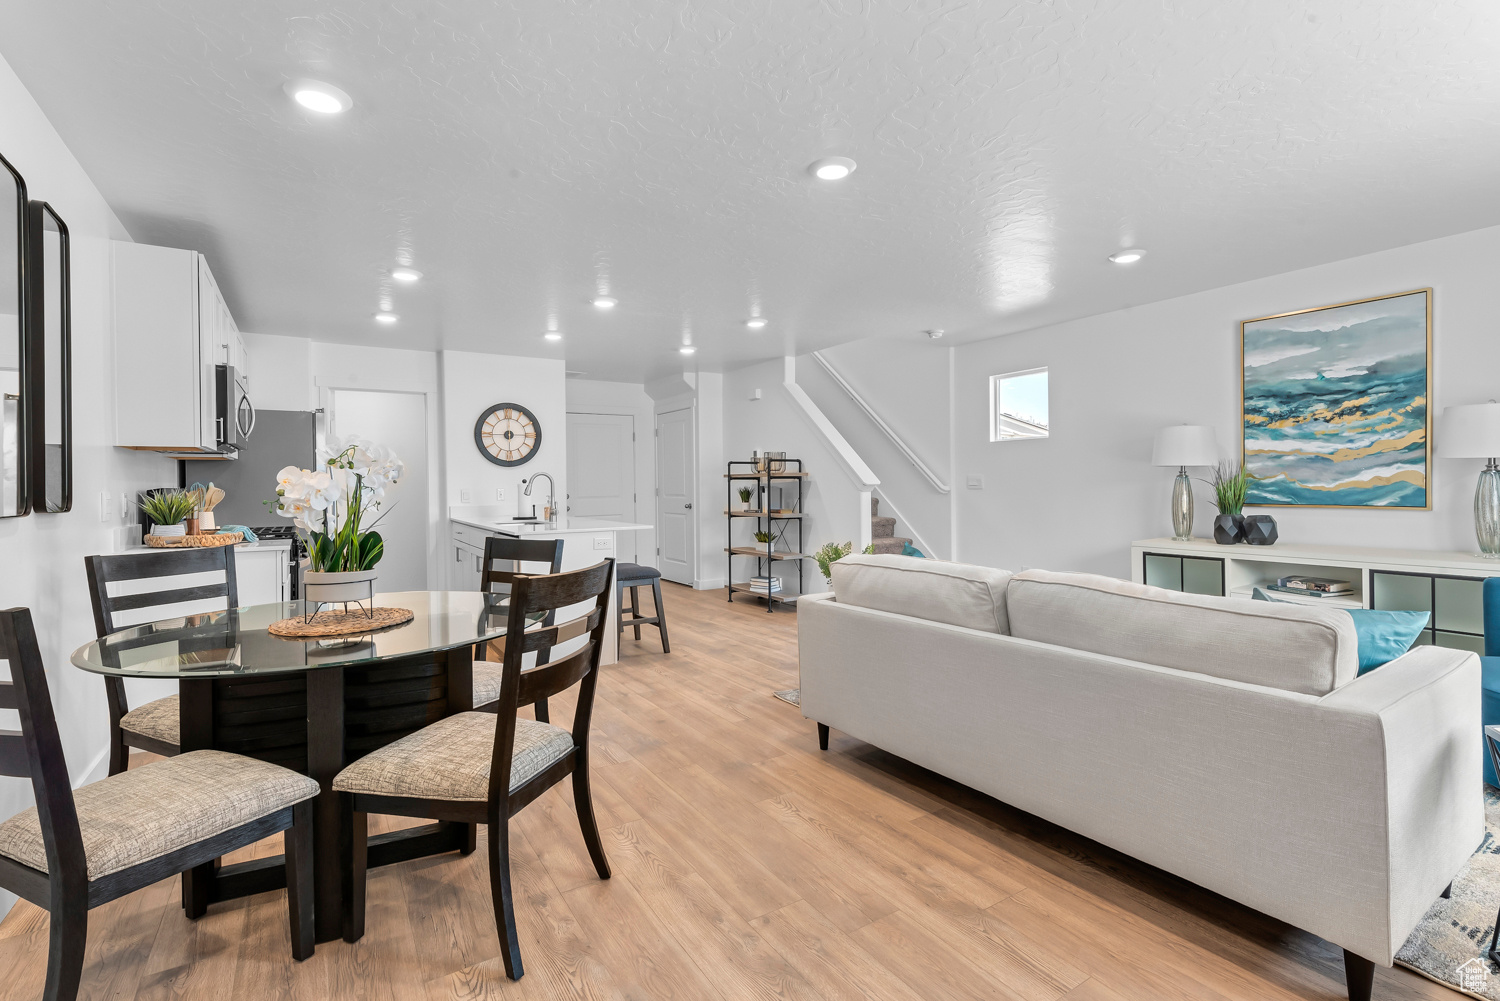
(507, 434)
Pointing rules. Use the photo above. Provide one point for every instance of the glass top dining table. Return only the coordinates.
(237, 643)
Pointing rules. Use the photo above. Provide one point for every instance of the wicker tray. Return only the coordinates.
(343, 623)
(194, 541)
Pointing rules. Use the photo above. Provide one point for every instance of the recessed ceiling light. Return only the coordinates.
(831, 168)
(324, 98)
(686, 349)
(386, 317)
(406, 274)
(552, 335)
(604, 302)
(755, 322)
(1129, 256)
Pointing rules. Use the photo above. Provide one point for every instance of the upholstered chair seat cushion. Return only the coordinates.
(161, 719)
(154, 810)
(450, 760)
(487, 677)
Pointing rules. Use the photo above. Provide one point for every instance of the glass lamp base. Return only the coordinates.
(1182, 507)
(1487, 512)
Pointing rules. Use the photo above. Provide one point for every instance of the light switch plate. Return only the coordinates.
(465, 496)
(601, 542)
(499, 493)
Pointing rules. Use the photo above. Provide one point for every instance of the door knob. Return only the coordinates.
(688, 506)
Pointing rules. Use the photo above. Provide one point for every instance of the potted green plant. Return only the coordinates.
(332, 507)
(832, 552)
(1229, 494)
(167, 510)
(744, 498)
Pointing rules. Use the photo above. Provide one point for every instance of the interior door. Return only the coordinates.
(398, 421)
(601, 473)
(675, 524)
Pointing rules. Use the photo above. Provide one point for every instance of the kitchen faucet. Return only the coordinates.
(551, 509)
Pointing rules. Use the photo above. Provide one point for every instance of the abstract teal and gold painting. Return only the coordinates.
(1336, 404)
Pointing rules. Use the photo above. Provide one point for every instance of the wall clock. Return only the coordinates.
(507, 434)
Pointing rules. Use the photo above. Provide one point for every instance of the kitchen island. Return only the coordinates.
(586, 541)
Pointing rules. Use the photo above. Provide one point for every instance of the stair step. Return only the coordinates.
(882, 527)
(890, 545)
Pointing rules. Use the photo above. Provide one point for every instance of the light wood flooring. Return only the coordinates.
(747, 865)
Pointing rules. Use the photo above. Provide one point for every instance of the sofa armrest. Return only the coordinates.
(1428, 705)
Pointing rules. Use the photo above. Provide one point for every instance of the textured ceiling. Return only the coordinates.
(526, 154)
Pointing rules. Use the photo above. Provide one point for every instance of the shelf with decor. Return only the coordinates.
(774, 489)
(1447, 584)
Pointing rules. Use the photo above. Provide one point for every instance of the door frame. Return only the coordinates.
(635, 503)
(657, 414)
(323, 419)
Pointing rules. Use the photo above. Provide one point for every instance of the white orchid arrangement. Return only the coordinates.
(330, 505)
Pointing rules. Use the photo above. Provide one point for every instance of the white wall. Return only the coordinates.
(775, 423)
(590, 396)
(472, 383)
(43, 554)
(1075, 501)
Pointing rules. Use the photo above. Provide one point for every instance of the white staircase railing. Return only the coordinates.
(864, 477)
(860, 402)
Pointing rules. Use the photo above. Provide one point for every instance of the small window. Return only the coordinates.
(1018, 405)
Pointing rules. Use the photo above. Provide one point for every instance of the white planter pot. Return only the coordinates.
(168, 531)
(351, 585)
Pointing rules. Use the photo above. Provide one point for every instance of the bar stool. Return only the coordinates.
(632, 576)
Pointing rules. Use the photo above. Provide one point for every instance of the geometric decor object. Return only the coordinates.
(1336, 405)
(1260, 530)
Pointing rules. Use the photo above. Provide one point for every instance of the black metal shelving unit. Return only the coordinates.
(743, 472)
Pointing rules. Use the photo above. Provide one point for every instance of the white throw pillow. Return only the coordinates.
(956, 593)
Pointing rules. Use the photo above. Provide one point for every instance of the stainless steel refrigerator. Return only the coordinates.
(280, 438)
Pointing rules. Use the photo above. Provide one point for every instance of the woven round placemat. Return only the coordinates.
(340, 623)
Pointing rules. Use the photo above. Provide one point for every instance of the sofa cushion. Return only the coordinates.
(956, 593)
(1292, 647)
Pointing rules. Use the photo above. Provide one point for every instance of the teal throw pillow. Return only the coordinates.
(1383, 636)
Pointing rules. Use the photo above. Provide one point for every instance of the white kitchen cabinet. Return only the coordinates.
(171, 328)
(468, 567)
(262, 574)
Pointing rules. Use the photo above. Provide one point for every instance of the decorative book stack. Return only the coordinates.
(765, 585)
(1316, 587)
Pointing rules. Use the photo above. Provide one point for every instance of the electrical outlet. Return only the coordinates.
(976, 483)
(125, 505)
(465, 496)
(601, 542)
(104, 506)
(499, 493)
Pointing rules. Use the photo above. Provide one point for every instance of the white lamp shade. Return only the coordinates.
(1185, 445)
(1470, 432)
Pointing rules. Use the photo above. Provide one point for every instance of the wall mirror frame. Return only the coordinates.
(49, 388)
(15, 294)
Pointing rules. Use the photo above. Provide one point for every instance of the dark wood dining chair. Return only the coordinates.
(479, 768)
(154, 726)
(76, 850)
(487, 670)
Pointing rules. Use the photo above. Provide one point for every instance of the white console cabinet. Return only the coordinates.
(1447, 584)
(172, 328)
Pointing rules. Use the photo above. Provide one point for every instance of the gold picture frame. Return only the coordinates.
(1338, 406)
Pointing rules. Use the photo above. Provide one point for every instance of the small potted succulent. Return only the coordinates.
(167, 510)
(1229, 495)
(744, 498)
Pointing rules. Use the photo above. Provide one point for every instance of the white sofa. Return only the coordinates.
(1224, 740)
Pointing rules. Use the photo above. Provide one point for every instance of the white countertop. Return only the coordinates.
(540, 529)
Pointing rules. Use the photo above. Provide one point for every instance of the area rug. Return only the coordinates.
(1449, 945)
(792, 695)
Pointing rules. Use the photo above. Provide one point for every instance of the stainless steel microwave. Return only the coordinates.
(234, 415)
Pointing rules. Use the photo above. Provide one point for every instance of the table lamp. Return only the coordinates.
(1472, 431)
(1182, 446)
